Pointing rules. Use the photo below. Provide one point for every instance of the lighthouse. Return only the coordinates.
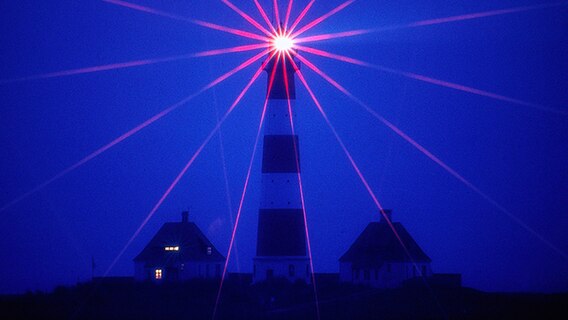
(281, 239)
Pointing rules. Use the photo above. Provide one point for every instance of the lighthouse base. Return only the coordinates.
(289, 268)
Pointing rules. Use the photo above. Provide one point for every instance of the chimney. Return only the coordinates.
(387, 213)
(184, 216)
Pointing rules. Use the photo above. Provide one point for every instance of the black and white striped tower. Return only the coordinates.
(281, 242)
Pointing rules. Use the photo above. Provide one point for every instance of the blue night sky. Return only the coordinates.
(515, 154)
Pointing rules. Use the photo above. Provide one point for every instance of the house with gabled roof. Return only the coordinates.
(179, 251)
(378, 259)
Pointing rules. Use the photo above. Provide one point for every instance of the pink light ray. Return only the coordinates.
(288, 12)
(472, 90)
(302, 199)
(136, 63)
(478, 15)
(432, 157)
(355, 166)
(153, 11)
(334, 56)
(241, 33)
(107, 67)
(330, 36)
(247, 17)
(226, 178)
(184, 170)
(322, 18)
(276, 13)
(239, 68)
(245, 188)
(237, 49)
(206, 24)
(301, 16)
(131, 132)
(264, 16)
(434, 81)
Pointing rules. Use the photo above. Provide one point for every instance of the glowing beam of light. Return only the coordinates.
(432, 157)
(237, 49)
(237, 69)
(467, 183)
(301, 16)
(276, 13)
(226, 175)
(330, 55)
(205, 24)
(184, 170)
(354, 165)
(247, 17)
(471, 16)
(288, 12)
(245, 187)
(330, 36)
(322, 18)
(113, 66)
(264, 16)
(137, 63)
(241, 33)
(300, 184)
(148, 10)
(434, 81)
(132, 131)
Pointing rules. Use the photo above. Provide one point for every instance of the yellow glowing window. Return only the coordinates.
(176, 248)
(158, 274)
(209, 251)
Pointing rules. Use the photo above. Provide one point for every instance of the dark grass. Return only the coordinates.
(125, 299)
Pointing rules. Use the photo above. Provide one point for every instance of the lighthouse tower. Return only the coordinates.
(281, 243)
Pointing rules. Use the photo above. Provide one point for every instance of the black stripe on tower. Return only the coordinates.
(279, 154)
(281, 232)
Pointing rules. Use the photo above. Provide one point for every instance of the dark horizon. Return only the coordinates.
(502, 226)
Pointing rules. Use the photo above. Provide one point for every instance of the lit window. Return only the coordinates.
(158, 274)
(171, 248)
(209, 251)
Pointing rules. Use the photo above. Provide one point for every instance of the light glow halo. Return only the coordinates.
(282, 43)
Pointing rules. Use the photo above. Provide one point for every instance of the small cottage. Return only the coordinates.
(378, 259)
(179, 251)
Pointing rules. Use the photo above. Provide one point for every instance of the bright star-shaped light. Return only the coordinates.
(282, 43)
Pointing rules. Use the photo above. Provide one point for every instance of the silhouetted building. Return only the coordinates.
(179, 251)
(281, 239)
(378, 259)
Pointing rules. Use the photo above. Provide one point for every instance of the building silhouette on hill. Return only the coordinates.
(378, 259)
(179, 251)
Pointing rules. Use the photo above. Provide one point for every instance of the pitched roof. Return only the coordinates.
(377, 244)
(191, 241)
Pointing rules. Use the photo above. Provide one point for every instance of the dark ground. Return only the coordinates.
(124, 299)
